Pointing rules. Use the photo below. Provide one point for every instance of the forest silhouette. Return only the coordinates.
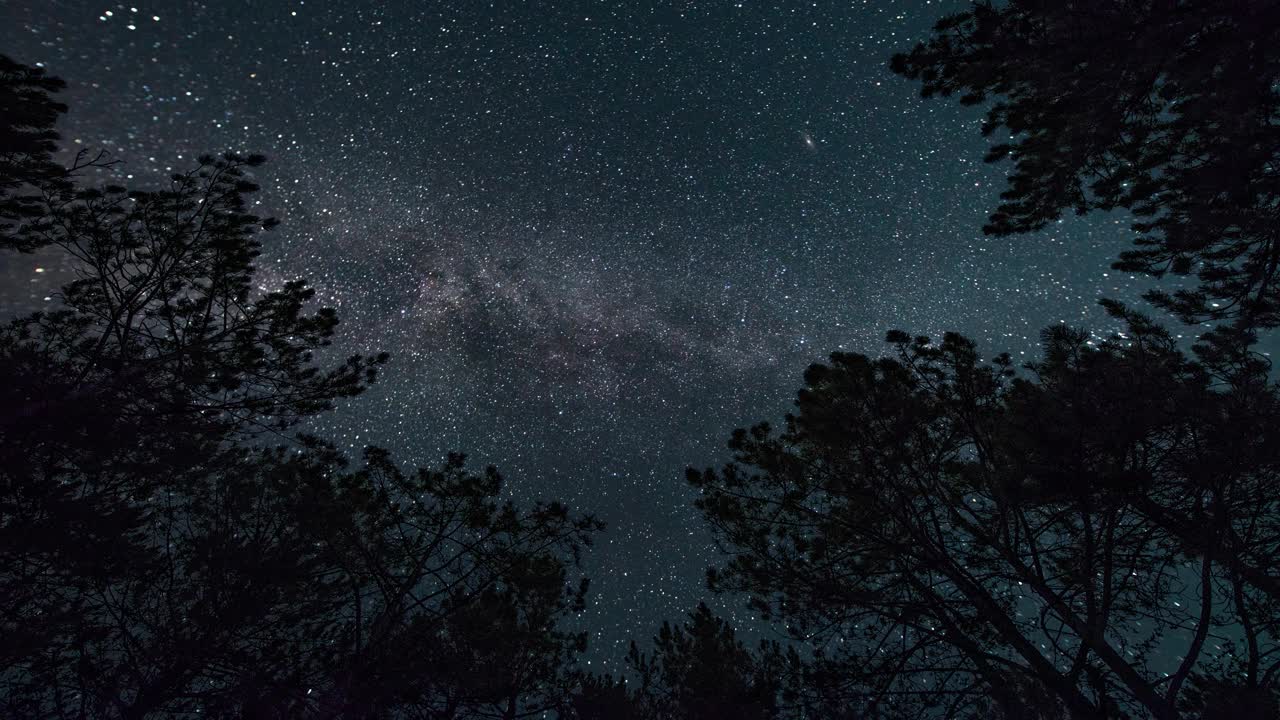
(927, 534)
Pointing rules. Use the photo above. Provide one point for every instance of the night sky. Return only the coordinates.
(594, 237)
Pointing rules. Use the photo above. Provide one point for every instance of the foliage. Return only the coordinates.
(1167, 109)
(950, 538)
(30, 178)
(170, 545)
(698, 669)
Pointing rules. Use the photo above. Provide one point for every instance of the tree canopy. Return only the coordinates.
(697, 669)
(949, 536)
(172, 545)
(1166, 109)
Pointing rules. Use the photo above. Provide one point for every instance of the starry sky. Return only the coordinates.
(595, 237)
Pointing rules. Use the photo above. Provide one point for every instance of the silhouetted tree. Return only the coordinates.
(602, 697)
(948, 537)
(1168, 108)
(698, 669)
(158, 558)
(288, 586)
(1191, 447)
(159, 355)
(30, 179)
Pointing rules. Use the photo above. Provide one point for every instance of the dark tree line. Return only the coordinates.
(928, 534)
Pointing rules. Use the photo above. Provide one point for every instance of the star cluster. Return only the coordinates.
(596, 237)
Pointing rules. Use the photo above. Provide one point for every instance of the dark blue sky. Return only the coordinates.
(595, 237)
